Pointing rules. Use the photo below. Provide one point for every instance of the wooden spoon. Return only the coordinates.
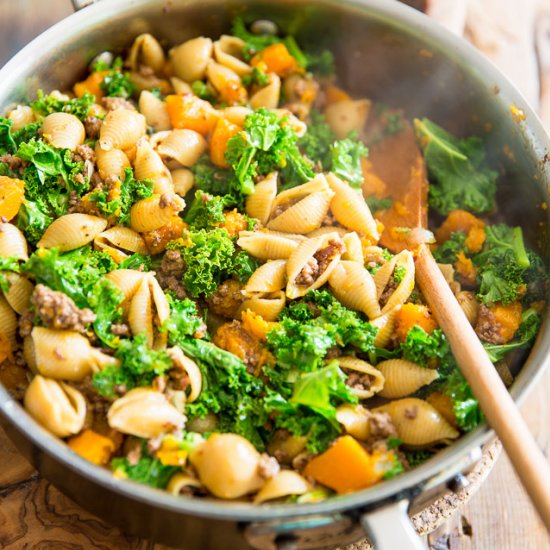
(397, 161)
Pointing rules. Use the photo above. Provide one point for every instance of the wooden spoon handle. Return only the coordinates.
(495, 401)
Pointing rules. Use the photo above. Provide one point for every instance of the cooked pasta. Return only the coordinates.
(197, 253)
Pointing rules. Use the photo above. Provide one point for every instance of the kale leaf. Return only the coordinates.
(131, 191)
(461, 177)
(105, 299)
(465, 406)
(446, 253)
(345, 159)
(139, 366)
(48, 104)
(115, 83)
(206, 211)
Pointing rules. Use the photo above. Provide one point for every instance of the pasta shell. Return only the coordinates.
(268, 96)
(225, 81)
(149, 165)
(370, 380)
(63, 130)
(72, 231)
(385, 325)
(55, 405)
(21, 116)
(148, 82)
(189, 60)
(182, 362)
(404, 377)
(8, 323)
(155, 111)
(183, 181)
(469, 305)
(269, 277)
(405, 287)
(184, 146)
(298, 126)
(354, 286)
(155, 211)
(383, 275)
(228, 52)
(347, 116)
(146, 413)
(355, 419)
(354, 248)
(12, 242)
(301, 209)
(66, 354)
(418, 424)
(178, 482)
(259, 204)
(236, 114)
(127, 281)
(120, 242)
(284, 484)
(342, 231)
(350, 209)
(146, 51)
(268, 245)
(121, 129)
(267, 306)
(147, 312)
(304, 271)
(19, 291)
(111, 163)
(180, 87)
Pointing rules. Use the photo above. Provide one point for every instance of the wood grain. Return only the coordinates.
(33, 514)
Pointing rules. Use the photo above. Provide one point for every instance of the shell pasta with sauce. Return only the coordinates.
(198, 291)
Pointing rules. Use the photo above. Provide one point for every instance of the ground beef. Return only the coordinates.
(301, 461)
(58, 311)
(134, 454)
(282, 207)
(170, 273)
(120, 329)
(388, 291)
(85, 152)
(73, 199)
(268, 466)
(227, 299)
(359, 380)
(488, 328)
(114, 103)
(381, 426)
(411, 412)
(317, 265)
(14, 163)
(92, 124)
(26, 322)
(167, 201)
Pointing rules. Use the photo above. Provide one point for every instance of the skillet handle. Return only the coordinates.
(389, 527)
(79, 4)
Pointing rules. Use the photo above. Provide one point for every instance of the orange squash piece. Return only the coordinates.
(345, 467)
(191, 112)
(256, 325)
(276, 59)
(444, 406)
(234, 223)
(157, 239)
(12, 195)
(92, 446)
(334, 94)
(92, 85)
(507, 318)
(410, 315)
(465, 268)
(223, 132)
(460, 220)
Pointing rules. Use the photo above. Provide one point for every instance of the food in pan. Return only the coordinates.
(196, 290)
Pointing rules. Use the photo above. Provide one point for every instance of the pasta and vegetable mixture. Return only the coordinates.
(196, 289)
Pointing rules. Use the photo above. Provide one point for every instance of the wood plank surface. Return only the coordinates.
(33, 514)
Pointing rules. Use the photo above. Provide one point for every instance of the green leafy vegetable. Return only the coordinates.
(465, 405)
(213, 180)
(148, 470)
(48, 104)
(461, 177)
(136, 261)
(254, 43)
(131, 191)
(74, 273)
(115, 83)
(265, 145)
(257, 77)
(184, 319)
(345, 159)
(105, 299)
(446, 253)
(32, 220)
(417, 457)
(139, 366)
(376, 203)
(203, 90)
(316, 142)
(206, 211)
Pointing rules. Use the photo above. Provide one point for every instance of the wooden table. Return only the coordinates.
(34, 514)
